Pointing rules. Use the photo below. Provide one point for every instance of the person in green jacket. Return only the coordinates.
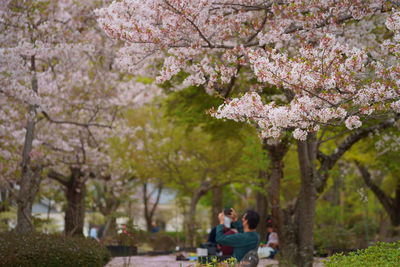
(246, 239)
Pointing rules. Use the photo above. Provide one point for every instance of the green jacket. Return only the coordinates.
(241, 242)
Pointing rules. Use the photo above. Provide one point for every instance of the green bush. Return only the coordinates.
(333, 238)
(176, 235)
(42, 250)
(381, 254)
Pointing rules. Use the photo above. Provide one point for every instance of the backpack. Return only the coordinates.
(250, 259)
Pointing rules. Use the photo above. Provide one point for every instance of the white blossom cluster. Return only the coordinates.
(81, 94)
(330, 71)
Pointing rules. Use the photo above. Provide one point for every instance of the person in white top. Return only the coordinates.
(269, 249)
(273, 240)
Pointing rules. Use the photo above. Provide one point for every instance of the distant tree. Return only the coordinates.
(57, 71)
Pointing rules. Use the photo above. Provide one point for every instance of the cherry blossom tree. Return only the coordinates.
(312, 52)
(80, 153)
(83, 152)
(57, 71)
(35, 35)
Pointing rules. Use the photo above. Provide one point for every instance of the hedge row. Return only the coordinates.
(381, 254)
(42, 250)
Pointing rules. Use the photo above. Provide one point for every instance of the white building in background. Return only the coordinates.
(47, 209)
(167, 212)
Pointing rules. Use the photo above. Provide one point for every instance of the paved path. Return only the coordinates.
(169, 261)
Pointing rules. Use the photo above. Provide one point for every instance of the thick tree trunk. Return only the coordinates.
(288, 239)
(75, 212)
(262, 205)
(29, 186)
(298, 219)
(305, 208)
(276, 154)
(30, 175)
(217, 204)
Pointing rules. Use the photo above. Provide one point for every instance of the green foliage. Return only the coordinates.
(5, 217)
(343, 220)
(41, 250)
(45, 225)
(333, 238)
(381, 254)
(290, 182)
(231, 262)
(190, 107)
(178, 236)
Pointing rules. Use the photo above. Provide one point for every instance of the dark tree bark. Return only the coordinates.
(305, 208)
(75, 212)
(217, 204)
(29, 186)
(390, 204)
(276, 153)
(262, 204)
(298, 218)
(75, 193)
(30, 175)
(149, 211)
(288, 240)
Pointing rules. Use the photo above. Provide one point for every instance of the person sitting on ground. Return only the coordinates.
(246, 239)
(211, 236)
(272, 241)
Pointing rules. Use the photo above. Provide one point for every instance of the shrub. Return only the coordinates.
(177, 236)
(381, 254)
(161, 241)
(331, 238)
(42, 250)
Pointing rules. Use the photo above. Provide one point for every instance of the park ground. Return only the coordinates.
(170, 261)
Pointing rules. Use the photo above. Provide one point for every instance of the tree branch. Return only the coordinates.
(153, 209)
(387, 202)
(329, 161)
(85, 125)
(251, 38)
(52, 174)
(326, 22)
(191, 22)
